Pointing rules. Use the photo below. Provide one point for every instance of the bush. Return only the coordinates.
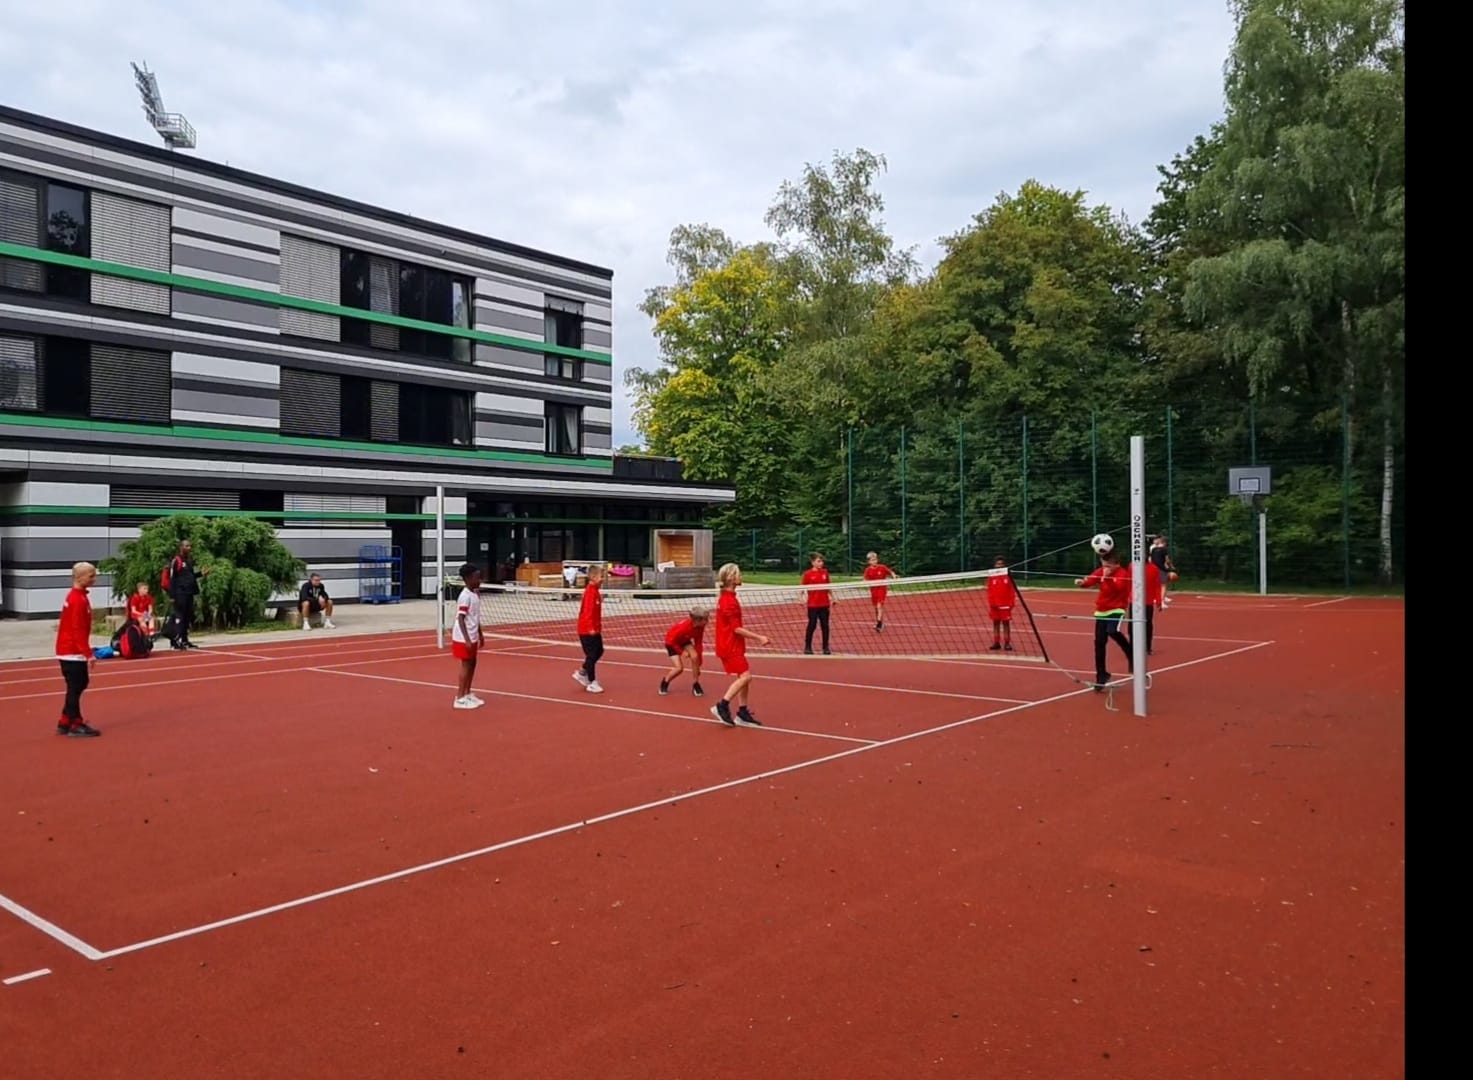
(247, 563)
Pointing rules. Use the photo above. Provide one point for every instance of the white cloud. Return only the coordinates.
(592, 128)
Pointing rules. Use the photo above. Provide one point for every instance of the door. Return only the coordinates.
(408, 537)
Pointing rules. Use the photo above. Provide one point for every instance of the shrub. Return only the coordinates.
(247, 563)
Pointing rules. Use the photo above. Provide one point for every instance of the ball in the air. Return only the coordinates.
(1103, 543)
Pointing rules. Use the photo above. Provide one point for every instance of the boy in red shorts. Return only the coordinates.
(731, 648)
(1002, 594)
(465, 639)
(684, 644)
(875, 570)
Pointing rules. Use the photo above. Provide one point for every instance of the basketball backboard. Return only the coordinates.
(1248, 482)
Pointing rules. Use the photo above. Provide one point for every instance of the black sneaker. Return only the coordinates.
(746, 717)
(994, 647)
(827, 653)
(63, 726)
(79, 730)
(1008, 647)
(722, 711)
(664, 687)
(190, 645)
(808, 651)
(695, 688)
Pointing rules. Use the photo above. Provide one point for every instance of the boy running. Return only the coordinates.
(1002, 593)
(731, 648)
(875, 570)
(591, 630)
(1110, 607)
(74, 652)
(684, 643)
(465, 639)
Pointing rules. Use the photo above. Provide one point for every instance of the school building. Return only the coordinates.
(179, 335)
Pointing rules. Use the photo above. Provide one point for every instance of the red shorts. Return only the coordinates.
(877, 595)
(1001, 614)
(736, 663)
(461, 651)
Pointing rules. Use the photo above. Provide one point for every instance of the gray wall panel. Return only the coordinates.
(240, 266)
(226, 404)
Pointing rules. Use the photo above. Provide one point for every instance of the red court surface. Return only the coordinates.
(295, 859)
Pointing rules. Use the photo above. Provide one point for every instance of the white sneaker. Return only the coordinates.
(594, 688)
(468, 703)
(328, 624)
(581, 676)
(306, 626)
(475, 698)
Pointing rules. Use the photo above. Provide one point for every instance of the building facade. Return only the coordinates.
(177, 335)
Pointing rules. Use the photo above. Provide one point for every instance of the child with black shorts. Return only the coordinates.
(1111, 604)
(684, 643)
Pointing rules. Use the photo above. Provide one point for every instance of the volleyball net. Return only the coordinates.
(974, 615)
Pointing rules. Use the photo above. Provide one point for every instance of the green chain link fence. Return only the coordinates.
(953, 496)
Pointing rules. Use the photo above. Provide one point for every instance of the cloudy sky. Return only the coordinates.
(592, 128)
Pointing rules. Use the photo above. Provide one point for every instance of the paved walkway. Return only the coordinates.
(24, 639)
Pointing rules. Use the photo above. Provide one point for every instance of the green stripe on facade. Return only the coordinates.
(322, 515)
(271, 299)
(269, 438)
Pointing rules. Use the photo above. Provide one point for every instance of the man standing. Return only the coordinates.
(313, 600)
(1160, 555)
(183, 587)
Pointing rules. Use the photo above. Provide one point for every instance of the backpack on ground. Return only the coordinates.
(131, 642)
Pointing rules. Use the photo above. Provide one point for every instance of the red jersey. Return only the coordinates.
(1114, 594)
(817, 597)
(140, 607)
(74, 631)
(591, 611)
(686, 633)
(728, 622)
(877, 572)
(1154, 592)
(1001, 591)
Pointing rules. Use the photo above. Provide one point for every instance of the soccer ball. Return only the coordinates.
(1103, 543)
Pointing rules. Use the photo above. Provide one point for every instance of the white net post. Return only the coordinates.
(440, 566)
(1138, 598)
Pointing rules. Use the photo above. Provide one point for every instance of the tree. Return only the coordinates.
(1307, 189)
(247, 563)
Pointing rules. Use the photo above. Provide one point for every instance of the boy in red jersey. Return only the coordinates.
(465, 638)
(1111, 604)
(140, 610)
(684, 643)
(731, 648)
(591, 630)
(1002, 593)
(817, 603)
(1155, 594)
(74, 652)
(874, 570)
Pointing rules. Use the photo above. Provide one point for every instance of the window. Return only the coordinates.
(20, 378)
(563, 328)
(375, 283)
(67, 230)
(356, 408)
(627, 544)
(67, 378)
(434, 416)
(328, 406)
(564, 429)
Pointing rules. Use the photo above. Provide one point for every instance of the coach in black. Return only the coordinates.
(183, 588)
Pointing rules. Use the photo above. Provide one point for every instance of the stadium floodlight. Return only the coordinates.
(172, 127)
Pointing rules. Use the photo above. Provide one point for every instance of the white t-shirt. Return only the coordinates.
(469, 606)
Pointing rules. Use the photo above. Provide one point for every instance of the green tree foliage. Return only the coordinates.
(1263, 302)
(247, 563)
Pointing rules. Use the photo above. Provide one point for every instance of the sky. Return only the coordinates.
(591, 129)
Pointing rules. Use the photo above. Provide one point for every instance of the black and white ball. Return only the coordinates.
(1103, 543)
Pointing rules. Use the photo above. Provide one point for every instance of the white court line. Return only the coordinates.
(27, 977)
(93, 954)
(255, 670)
(792, 678)
(589, 704)
(1322, 603)
(50, 929)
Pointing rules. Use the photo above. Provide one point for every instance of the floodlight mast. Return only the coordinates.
(171, 127)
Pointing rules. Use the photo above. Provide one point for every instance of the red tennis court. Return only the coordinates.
(295, 858)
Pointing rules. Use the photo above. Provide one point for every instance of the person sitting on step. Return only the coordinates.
(313, 600)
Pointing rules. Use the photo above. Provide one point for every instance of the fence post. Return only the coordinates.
(754, 549)
(1170, 524)
(1025, 489)
(1345, 482)
(849, 470)
(1094, 474)
(904, 536)
(961, 496)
